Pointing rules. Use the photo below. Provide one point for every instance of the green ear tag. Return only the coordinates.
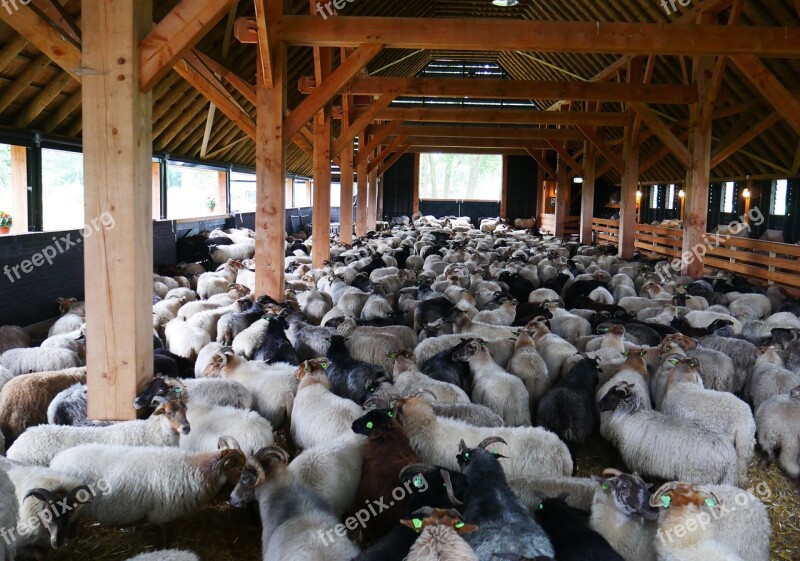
(666, 501)
(419, 482)
(390, 414)
(711, 503)
(541, 506)
(604, 486)
(459, 525)
(177, 390)
(417, 524)
(324, 365)
(626, 353)
(370, 425)
(466, 456)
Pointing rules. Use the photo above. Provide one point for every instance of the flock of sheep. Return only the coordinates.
(439, 382)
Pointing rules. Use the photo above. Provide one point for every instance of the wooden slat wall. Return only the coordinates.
(572, 224)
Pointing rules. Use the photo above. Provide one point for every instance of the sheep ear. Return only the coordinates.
(159, 410)
(415, 524)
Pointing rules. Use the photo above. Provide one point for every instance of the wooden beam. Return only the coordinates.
(321, 215)
(539, 157)
(415, 200)
(378, 160)
(361, 199)
(51, 42)
(175, 35)
(467, 150)
(796, 164)
(326, 91)
(271, 174)
(31, 72)
(360, 123)
(401, 151)
(566, 156)
(378, 138)
(770, 87)
(663, 132)
(346, 182)
(725, 152)
(203, 80)
(39, 103)
(118, 257)
(523, 89)
(562, 195)
(526, 133)
(504, 194)
(242, 86)
(598, 142)
(266, 43)
(503, 34)
(57, 16)
(372, 201)
(507, 116)
(715, 84)
(587, 194)
(19, 189)
(453, 142)
(627, 211)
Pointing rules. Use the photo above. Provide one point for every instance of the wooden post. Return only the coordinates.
(379, 203)
(541, 185)
(271, 172)
(372, 201)
(346, 197)
(630, 182)
(118, 253)
(562, 195)
(361, 197)
(415, 203)
(748, 199)
(504, 196)
(321, 218)
(587, 198)
(222, 193)
(19, 189)
(156, 179)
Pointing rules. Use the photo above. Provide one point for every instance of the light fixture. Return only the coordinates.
(505, 3)
(638, 195)
(578, 180)
(681, 193)
(746, 193)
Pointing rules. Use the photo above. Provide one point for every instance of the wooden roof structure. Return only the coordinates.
(756, 115)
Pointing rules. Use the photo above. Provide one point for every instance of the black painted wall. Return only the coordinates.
(523, 194)
(398, 188)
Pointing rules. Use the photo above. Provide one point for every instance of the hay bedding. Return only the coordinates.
(224, 533)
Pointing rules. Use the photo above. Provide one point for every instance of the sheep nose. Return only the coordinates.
(186, 430)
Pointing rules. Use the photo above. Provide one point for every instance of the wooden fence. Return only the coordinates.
(767, 263)
(572, 224)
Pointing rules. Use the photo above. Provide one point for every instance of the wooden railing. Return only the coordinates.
(658, 241)
(572, 224)
(606, 231)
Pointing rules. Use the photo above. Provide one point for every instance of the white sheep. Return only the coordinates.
(247, 342)
(504, 315)
(39, 445)
(185, 340)
(66, 323)
(778, 422)
(769, 378)
(8, 513)
(553, 349)
(37, 359)
(704, 318)
(500, 345)
(237, 251)
(528, 365)
(407, 379)
(211, 423)
(153, 485)
(166, 555)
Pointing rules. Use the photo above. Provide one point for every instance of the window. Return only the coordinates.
(192, 190)
(5, 179)
(243, 192)
(62, 190)
(654, 190)
(727, 197)
(670, 197)
(301, 196)
(780, 190)
(336, 194)
(461, 177)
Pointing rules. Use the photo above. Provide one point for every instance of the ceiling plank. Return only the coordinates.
(527, 133)
(175, 35)
(770, 87)
(725, 152)
(45, 37)
(240, 84)
(508, 116)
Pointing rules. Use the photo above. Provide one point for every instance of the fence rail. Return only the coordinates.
(606, 231)
(572, 224)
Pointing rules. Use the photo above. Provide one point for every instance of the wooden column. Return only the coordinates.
(379, 204)
(630, 182)
(504, 196)
(271, 172)
(372, 201)
(346, 197)
(222, 193)
(415, 203)
(361, 197)
(118, 253)
(156, 193)
(562, 195)
(587, 197)
(542, 190)
(19, 189)
(321, 219)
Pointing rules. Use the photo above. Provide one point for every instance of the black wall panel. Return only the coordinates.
(522, 191)
(398, 188)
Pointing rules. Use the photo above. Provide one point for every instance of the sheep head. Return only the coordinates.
(678, 494)
(376, 421)
(224, 360)
(438, 517)
(267, 463)
(467, 455)
(313, 372)
(795, 393)
(226, 465)
(680, 340)
(175, 413)
(471, 349)
(616, 395)
(58, 525)
(630, 494)
(65, 304)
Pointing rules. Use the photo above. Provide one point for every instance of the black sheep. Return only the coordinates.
(172, 365)
(528, 311)
(570, 534)
(276, 346)
(580, 288)
(430, 310)
(568, 408)
(518, 286)
(351, 378)
(442, 367)
(690, 331)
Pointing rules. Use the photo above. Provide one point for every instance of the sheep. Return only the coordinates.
(571, 536)
(347, 327)
(209, 284)
(318, 414)
(386, 452)
(504, 315)
(298, 523)
(579, 491)
(5, 376)
(503, 393)
(703, 318)
(184, 339)
(24, 399)
(37, 490)
(211, 423)
(742, 354)
(720, 412)
(66, 323)
(166, 555)
(315, 304)
(39, 445)
(208, 391)
(153, 485)
(504, 524)
(682, 502)
(553, 349)
(246, 343)
(501, 346)
(406, 378)
(470, 413)
(349, 377)
(13, 337)
(333, 469)
(534, 452)
(8, 513)
(238, 252)
(769, 378)
(622, 514)
(73, 341)
(36, 359)
(71, 306)
(69, 406)
(204, 356)
(778, 422)
(440, 536)
(667, 447)
(565, 324)
(273, 386)
(528, 365)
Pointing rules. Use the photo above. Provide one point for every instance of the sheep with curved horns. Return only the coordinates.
(439, 538)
